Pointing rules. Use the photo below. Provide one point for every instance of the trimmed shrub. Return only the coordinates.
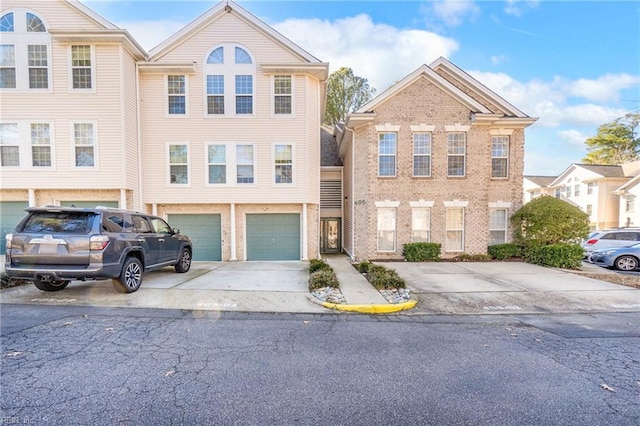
(363, 267)
(565, 256)
(464, 257)
(318, 264)
(505, 251)
(421, 252)
(383, 279)
(323, 278)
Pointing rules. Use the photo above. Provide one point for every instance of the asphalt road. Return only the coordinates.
(64, 365)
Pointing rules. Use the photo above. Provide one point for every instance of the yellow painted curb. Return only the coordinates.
(372, 309)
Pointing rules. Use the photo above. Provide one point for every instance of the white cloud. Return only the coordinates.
(573, 137)
(604, 89)
(380, 53)
(451, 13)
(518, 7)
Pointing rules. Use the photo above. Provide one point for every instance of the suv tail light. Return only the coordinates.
(9, 240)
(98, 242)
(592, 241)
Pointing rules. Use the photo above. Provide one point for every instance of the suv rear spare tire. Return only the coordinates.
(131, 276)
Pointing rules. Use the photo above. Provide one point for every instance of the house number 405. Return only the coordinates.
(360, 202)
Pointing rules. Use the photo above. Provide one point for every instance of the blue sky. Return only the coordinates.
(573, 64)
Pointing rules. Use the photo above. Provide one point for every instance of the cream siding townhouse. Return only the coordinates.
(438, 157)
(68, 110)
(217, 129)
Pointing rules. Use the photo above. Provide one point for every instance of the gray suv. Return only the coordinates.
(53, 245)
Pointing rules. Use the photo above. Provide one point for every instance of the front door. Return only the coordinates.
(330, 235)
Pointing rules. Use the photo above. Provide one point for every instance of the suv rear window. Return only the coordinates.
(59, 223)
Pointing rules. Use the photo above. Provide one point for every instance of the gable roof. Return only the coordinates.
(541, 181)
(602, 171)
(424, 72)
(507, 108)
(213, 14)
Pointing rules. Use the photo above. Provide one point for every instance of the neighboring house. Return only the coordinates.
(69, 110)
(629, 194)
(593, 188)
(536, 186)
(437, 157)
(216, 129)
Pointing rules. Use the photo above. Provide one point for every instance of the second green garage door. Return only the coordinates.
(273, 237)
(204, 231)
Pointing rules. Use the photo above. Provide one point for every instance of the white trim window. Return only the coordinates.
(282, 95)
(499, 156)
(217, 164)
(420, 224)
(82, 69)
(422, 154)
(24, 52)
(387, 146)
(283, 163)
(245, 162)
(456, 154)
(590, 187)
(41, 145)
(454, 229)
(9, 145)
(229, 72)
(178, 155)
(84, 142)
(386, 229)
(497, 226)
(630, 202)
(177, 95)
(576, 190)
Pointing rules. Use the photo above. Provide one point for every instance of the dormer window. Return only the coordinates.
(229, 74)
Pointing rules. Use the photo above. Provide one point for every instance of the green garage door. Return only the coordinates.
(11, 212)
(273, 237)
(89, 204)
(205, 233)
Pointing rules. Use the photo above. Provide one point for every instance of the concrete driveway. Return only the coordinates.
(509, 287)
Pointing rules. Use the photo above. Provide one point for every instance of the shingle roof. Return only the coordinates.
(604, 169)
(329, 149)
(541, 181)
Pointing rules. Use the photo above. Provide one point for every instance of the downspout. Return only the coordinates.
(139, 136)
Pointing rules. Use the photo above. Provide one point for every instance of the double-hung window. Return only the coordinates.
(387, 143)
(456, 153)
(217, 162)
(499, 156)
(215, 94)
(630, 203)
(84, 141)
(422, 154)
(40, 145)
(282, 95)
(179, 164)
(283, 155)
(177, 94)
(229, 80)
(38, 66)
(244, 94)
(386, 229)
(497, 226)
(9, 145)
(420, 224)
(7, 66)
(244, 164)
(81, 67)
(454, 229)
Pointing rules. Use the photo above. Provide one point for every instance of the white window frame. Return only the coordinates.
(20, 38)
(453, 152)
(630, 202)
(393, 155)
(503, 140)
(167, 95)
(384, 227)
(290, 95)
(229, 70)
(92, 68)
(253, 164)
(420, 155)
(590, 187)
(75, 145)
(453, 228)
(226, 163)
(207, 95)
(49, 145)
(275, 164)
(417, 218)
(15, 144)
(169, 164)
(493, 226)
(47, 67)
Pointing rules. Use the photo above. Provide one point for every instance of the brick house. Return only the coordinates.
(437, 157)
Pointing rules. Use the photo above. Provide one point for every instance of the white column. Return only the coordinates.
(123, 199)
(232, 234)
(305, 239)
(154, 209)
(32, 198)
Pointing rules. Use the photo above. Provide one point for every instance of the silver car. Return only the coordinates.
(622, 258)
(619, 237)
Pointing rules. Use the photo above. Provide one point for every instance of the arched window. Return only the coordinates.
(229, 74)
(24, 61)
(35, 24)
(6, 23)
